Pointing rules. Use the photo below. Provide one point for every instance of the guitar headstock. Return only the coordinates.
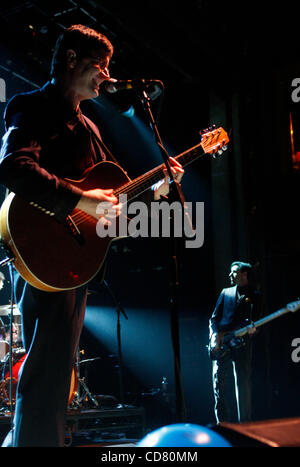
(214, 140)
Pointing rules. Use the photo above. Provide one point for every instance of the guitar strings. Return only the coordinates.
(149, 175)
(80, 216)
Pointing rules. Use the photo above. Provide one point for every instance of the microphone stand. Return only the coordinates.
(175, 189)
(119, 309)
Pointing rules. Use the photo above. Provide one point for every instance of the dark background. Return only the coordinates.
(229, 64)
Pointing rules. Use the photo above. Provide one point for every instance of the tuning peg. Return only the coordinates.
(209, 129)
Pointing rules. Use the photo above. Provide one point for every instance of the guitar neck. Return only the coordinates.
(140, 184)
(242, 331)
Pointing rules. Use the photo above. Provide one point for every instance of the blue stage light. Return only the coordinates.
(129, 112)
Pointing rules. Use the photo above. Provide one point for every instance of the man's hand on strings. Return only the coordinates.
(251, 329)
(104, 204)
(100, 203)
(163, 188)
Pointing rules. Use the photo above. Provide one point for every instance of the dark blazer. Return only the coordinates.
(231, 312)
(224, 310)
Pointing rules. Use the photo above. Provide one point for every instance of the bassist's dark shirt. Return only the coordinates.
(46, 141)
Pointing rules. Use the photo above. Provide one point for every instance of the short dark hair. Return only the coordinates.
(82, 40)
(243, 267)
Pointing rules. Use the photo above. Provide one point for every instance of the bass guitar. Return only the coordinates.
(54, 256)
(235, 339)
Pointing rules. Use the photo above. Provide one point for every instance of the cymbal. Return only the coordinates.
(6, 309)
(90, 360)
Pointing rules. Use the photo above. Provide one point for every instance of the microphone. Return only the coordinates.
(115, 85)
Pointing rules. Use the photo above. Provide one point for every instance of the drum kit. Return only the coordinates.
(11, 360)
(15, 352)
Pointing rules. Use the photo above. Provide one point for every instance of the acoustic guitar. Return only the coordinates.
(54, 256)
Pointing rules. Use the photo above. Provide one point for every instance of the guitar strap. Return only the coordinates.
(100, 142)
(100, 276)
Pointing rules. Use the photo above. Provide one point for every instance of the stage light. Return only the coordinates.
(129, 113)
(100, 322)
(183, 435)
(145, 340)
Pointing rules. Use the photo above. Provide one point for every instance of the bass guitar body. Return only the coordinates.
(230, 343)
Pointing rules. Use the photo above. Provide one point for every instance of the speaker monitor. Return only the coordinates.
(268, 433)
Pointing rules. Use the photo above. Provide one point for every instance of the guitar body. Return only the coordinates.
(46, 254)
(230, 342)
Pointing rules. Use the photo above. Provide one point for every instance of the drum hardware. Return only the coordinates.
(7, 351)
(119, 310)
(7, 409)
(4, 347)
(79, 387)
(8, 261)
(8, 382)
(9, 310)
(6, 309)
(19, 356)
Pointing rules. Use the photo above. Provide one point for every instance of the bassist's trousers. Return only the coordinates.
(232, 380)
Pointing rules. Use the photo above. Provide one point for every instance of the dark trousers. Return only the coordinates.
(238, 362)
(52, 324)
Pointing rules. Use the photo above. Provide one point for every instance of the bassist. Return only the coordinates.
(236, 306)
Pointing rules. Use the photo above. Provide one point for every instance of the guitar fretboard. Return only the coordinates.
(241, 332)
(140, 184)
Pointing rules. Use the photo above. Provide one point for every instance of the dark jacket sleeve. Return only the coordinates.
(217, 315)
(20, 169)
